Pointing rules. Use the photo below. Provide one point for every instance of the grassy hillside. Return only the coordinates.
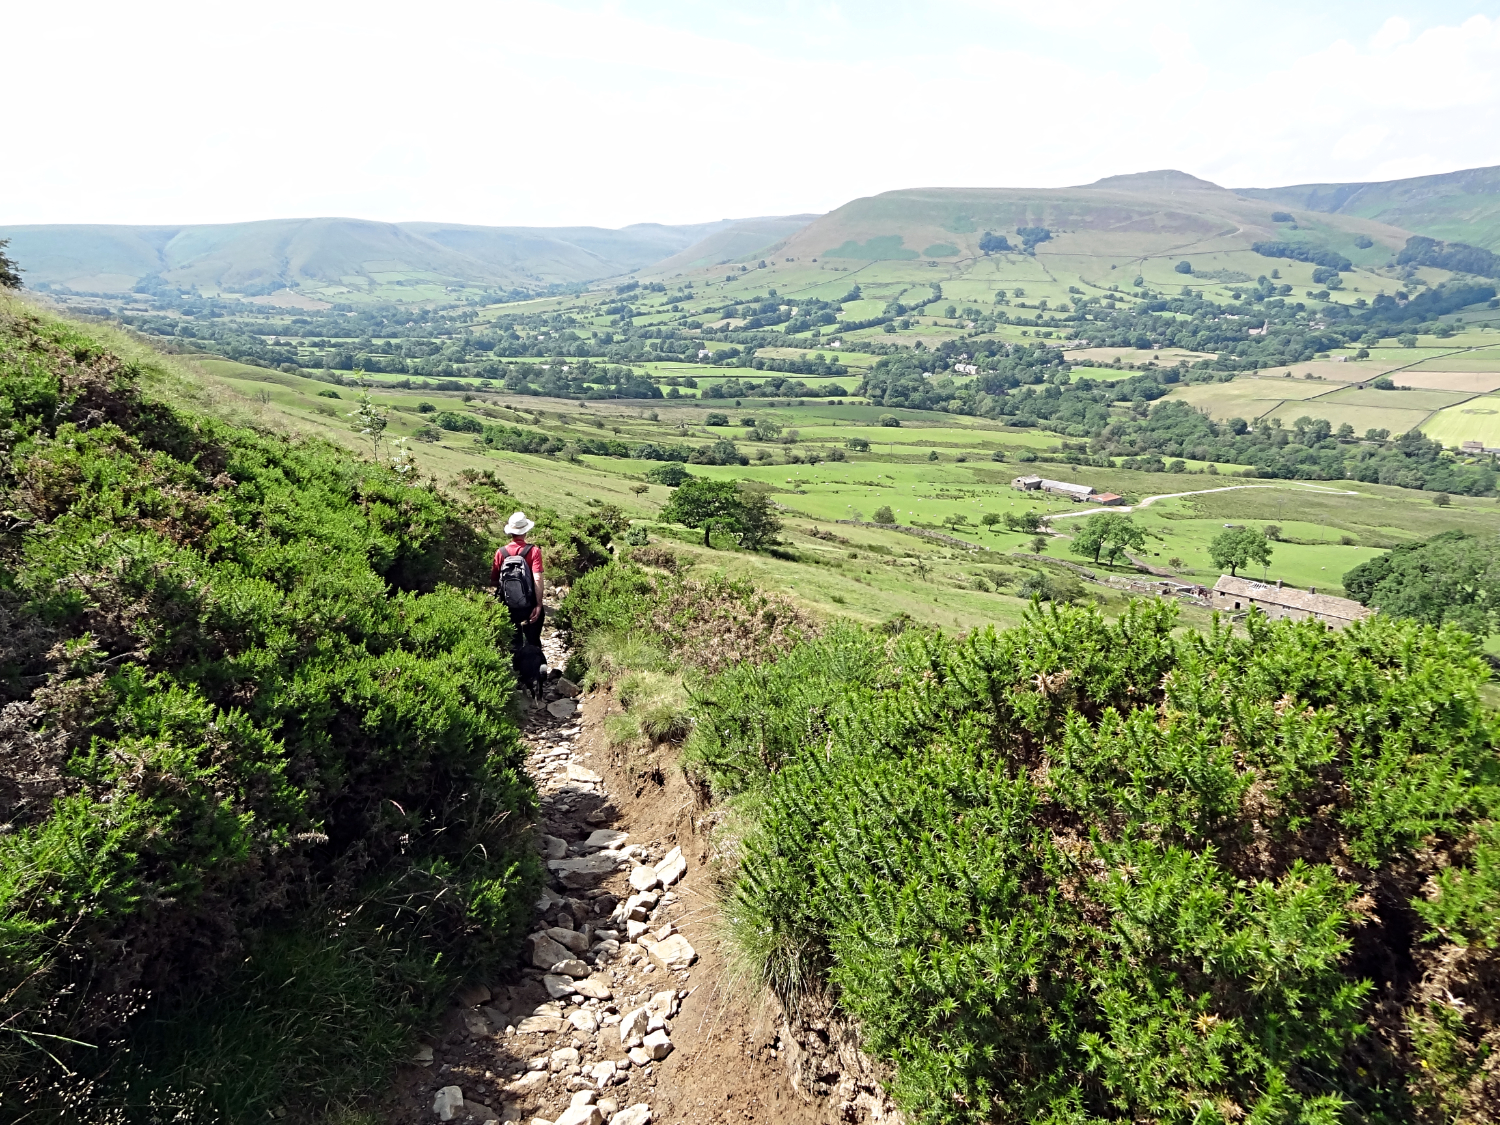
(743, 239)
(1459, 206)
(1116, 224)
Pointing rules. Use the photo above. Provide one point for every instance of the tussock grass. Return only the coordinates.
(611, 654)
(648, 682)
(658, 701)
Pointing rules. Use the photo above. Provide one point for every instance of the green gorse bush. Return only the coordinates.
(1083, 871)
(247, 687)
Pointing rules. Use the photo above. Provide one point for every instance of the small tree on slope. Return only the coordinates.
(1239, 546)
(1107, 533)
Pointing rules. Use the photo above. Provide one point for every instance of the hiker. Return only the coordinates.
(517, 575)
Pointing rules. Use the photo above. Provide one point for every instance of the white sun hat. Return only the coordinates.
(519, 524)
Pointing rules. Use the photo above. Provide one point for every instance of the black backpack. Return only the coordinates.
(517, 587)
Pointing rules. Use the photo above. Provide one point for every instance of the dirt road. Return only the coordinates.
(1149, 500)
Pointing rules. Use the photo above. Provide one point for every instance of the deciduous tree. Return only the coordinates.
(1451, 579)
(703, 503)
(1239, 546)
(1108, 534)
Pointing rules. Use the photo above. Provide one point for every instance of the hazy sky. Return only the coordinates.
(582, 112)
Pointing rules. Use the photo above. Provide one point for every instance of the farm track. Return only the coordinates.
(1149, 500)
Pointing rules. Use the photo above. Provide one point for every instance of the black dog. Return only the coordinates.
(528, 662)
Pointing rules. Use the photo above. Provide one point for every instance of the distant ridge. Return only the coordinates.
(1115, 223)
(1163, 211)
(327, 257)
(745, 238)
(1168, 180)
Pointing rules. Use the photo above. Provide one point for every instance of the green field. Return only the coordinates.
(1400, 400)
(1270, 397)
(896, 473)
(1247, 398)
(1485, 360)
(1478, 419)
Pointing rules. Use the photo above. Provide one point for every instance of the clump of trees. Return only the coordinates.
(1303, 252)
(1456, 256)
(734, 507)
(1453, 578)
(1029, 522)
(1031, 237)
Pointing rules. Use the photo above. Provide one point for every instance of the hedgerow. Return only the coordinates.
(247, 690)
(1086, 872)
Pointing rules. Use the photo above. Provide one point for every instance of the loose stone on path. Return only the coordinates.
(594, 944)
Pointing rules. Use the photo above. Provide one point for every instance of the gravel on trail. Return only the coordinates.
(623, 1009)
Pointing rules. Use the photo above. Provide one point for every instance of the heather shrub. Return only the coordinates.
(247, 690)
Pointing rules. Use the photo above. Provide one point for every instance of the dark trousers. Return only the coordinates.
(530, 632)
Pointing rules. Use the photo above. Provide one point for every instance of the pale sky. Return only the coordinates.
(527, 112)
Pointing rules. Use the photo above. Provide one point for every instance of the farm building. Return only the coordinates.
(1109, 498)
(1278, 601)
(1061, 488)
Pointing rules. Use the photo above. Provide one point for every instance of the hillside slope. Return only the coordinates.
(1461, 206)
(740, 239)
(1119, 219)
(258, 761)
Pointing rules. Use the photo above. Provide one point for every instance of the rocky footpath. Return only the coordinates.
(617, 1017)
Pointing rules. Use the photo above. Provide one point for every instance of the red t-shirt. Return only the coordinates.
(513, 549)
